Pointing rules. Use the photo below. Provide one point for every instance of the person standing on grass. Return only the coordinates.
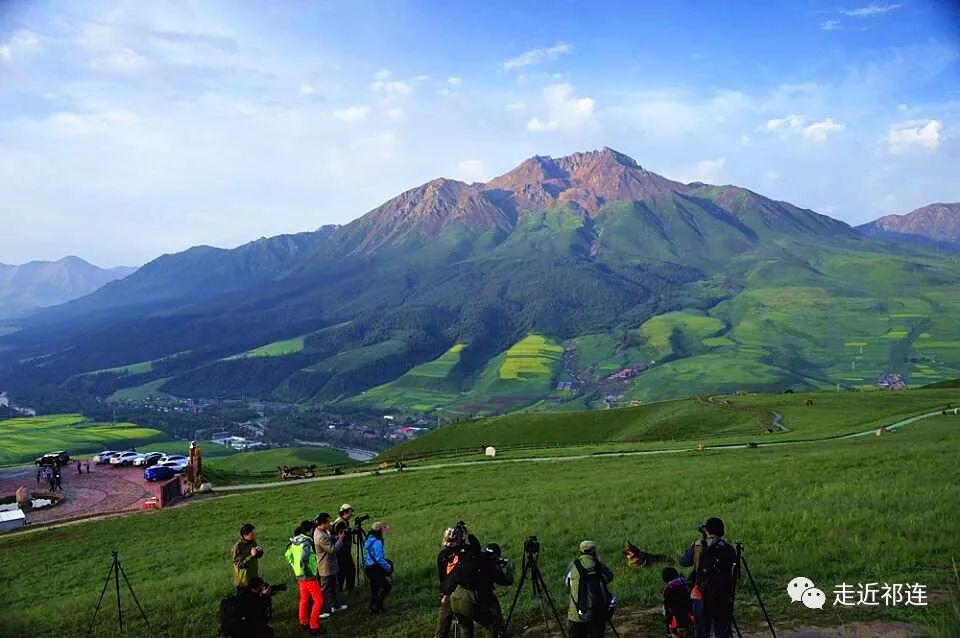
(303, 560)
(377, 567)
(347, 574)
(327, 567)
(714, 564)
(246, 558)
(590, 599)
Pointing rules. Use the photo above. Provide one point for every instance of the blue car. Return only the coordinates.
(159, 473)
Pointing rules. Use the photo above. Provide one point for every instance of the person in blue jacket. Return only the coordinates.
(377, 567)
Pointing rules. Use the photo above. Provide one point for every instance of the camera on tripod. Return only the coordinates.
(531, 545)
(358, 521)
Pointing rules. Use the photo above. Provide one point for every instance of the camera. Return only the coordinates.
(531, 545)
(459, 535)
(358, 521)
(702, 527)
(276, 588)
(259, 552)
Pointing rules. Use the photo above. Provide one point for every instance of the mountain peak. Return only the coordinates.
(934, 222)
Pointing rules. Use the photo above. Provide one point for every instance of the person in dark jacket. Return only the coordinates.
(246, 557)
(447, 561)
(473, 598)
(377, 567)
(677, 614)
(347, 575)
(256, 608)
(714, 564)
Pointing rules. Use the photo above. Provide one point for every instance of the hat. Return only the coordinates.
(494, 549)
(714, 526)
(588, 547)
(345, 507)
(380, 526)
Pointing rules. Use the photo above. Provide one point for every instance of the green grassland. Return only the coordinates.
(269, 460)
(275, 349)
(22, 439)
(855, 510)
(140, 392)
(421, 388)
(720, 420)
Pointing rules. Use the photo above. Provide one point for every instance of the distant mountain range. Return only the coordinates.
(584, 280)
(935, 225)
(37, 284)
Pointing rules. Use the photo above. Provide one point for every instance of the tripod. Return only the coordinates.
(531, 570)
(115, 571)
(742, 563)
(357, 537)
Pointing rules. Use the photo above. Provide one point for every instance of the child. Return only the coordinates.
(303, 560)
(677, 613)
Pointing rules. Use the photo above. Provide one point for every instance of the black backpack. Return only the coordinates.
(593, 598)
(716, 572)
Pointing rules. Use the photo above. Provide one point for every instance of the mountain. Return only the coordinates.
(932, 225)
(578, 281)
(37, 284)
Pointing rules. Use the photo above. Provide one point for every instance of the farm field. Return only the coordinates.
(275, 349)
(844, 523)
(22, 439)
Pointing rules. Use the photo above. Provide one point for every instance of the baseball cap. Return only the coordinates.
(588, 547)
(345, 507)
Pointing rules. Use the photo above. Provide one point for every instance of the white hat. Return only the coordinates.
(380, 526)
(345, 507)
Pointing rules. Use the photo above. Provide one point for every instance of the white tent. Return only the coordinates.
(12, 520)
(490, 451)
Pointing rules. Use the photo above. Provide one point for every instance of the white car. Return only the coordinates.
(104, 457)
(148, 459)
(124, 458)
(177, 466)
(174, 458)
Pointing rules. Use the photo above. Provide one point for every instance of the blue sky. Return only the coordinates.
(131, 129)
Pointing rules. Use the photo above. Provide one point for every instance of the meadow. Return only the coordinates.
(22, 439)
(853, 510)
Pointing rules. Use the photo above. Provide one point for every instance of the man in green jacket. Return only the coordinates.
(303, 560)
(246, 557)
(586, 572)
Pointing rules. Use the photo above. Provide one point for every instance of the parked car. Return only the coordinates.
(178, 466)
(174, 457)
(104, 457)
(159, 473)
(53, 458)
(124, 458)
(148, 460)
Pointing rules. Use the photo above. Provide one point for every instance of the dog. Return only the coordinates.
(636, 557)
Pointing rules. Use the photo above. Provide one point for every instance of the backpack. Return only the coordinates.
(231, 618)
(593, 598)
(715, 572)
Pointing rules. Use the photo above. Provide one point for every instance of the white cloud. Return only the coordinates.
(815, 131)
(396, 114)
(565, 111)
(820, 131)
(352, 114)
(830, 25)
(711, 171)
(454, 81)
(124, 60)
(5, 53)
(21, 42)
(913, 134)
(870, 10)
(536, 56)
(472, 170)
(421, 78)
(393, 87)
(382, 74)
(902, 107)
(307, 89)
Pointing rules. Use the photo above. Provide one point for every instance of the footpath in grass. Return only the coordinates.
(856, 510)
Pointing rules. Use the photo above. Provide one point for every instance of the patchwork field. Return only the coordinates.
(275, 349)
(875, 508)
(23, 439)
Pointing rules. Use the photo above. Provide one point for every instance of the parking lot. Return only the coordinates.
(106, 489)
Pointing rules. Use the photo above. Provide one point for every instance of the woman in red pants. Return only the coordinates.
(303, 560)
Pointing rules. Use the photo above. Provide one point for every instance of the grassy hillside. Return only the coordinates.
(722, 419)
(872, 508)
(269, 460)
(24, 438)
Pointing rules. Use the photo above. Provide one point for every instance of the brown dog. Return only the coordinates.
(636, 557)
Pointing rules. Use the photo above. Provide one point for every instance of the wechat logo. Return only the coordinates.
(803, 590)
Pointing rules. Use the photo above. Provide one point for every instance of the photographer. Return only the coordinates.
(378, 568)
(246, 556)
(591, 603)
(447, 562)
(248, 613)
(472, 588)
(327, 566)
(714, 565)
(347, 576)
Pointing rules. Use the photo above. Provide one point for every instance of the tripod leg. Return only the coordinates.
(516, 595)
(546, 593)
(756, 592)
(116, 576)
(134, 595)
(100, 600)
